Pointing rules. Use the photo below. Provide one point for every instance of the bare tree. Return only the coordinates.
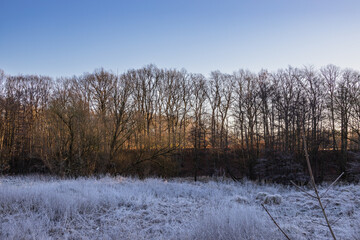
(285, 95)
(214, 101)
(73, 139)
(354, 122)
(198, 130)
(239, 110)
(101, 85)
(146, 83)
(121, 112)
(220, 100)
(314, 89)
(186, 92)
(4, 164)
(265, 92)
(172, 94)
(331, 75)
(343, 104)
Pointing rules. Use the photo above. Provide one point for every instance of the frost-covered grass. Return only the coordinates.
(36, 207)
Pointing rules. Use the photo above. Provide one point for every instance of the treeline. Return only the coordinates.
(166, 122)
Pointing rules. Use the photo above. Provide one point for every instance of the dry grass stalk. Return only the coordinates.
(317, 195)
(274, 221)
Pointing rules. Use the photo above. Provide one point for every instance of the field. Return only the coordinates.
(43, 207)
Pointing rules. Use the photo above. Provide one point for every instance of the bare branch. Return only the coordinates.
(332, 184)
(315, 189)
(282, 231)
(303, 190)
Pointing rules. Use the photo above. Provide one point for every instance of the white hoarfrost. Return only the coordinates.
(38, 207)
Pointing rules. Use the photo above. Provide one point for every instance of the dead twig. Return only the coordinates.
(303, 190)
(319, 223)
(336, 220)
(315, 188)
(332, 184)
(282, 231)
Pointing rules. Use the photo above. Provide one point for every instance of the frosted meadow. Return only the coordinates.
(42, 207)
(161, 91)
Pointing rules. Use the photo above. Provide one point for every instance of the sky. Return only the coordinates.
(70, 37)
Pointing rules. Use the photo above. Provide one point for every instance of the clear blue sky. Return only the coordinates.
(67, 37)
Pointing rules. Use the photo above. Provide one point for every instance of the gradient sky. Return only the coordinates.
(67, 37)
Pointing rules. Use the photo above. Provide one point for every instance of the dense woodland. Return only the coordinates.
(166, 122)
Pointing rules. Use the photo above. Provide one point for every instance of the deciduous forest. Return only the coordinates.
(167, 122)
